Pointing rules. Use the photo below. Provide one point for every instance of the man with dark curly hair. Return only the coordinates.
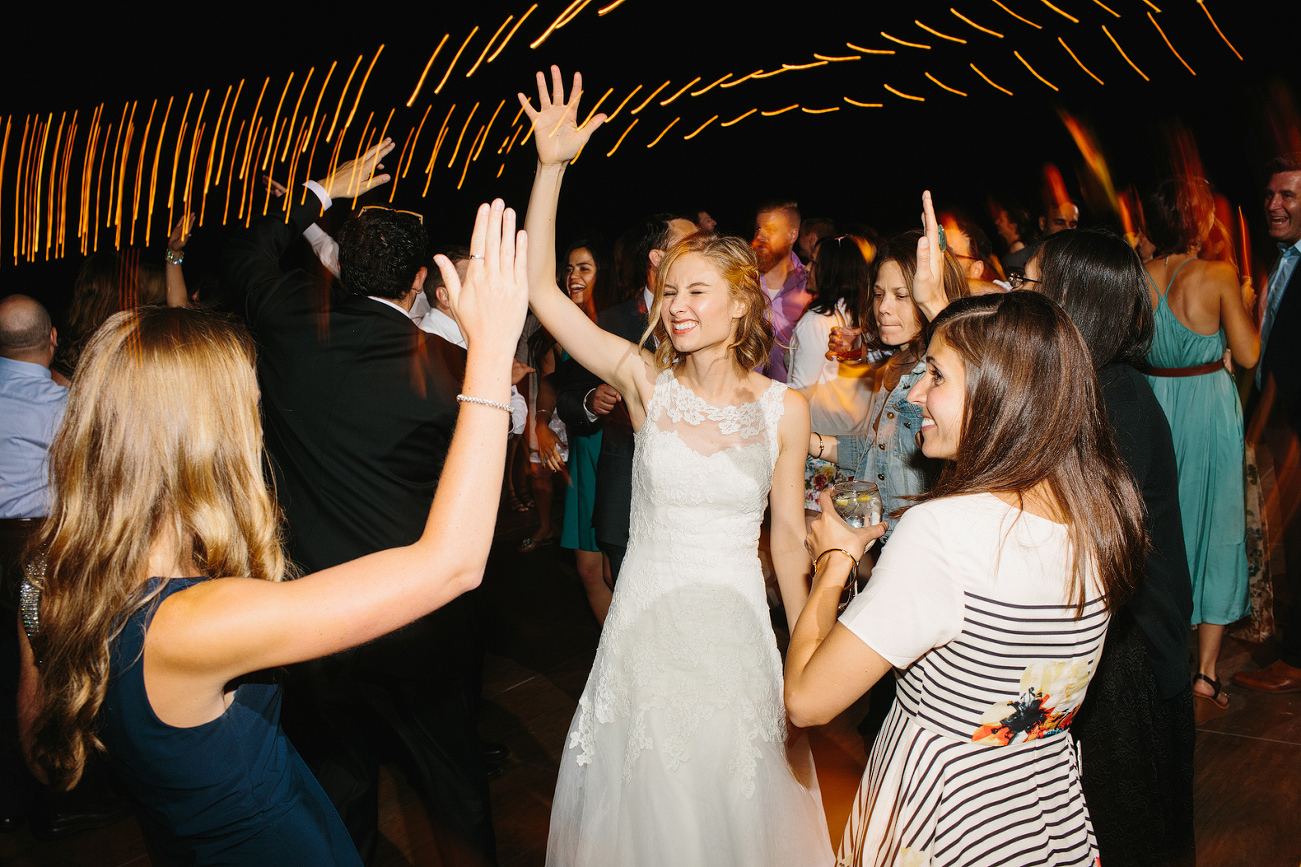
(358, 408)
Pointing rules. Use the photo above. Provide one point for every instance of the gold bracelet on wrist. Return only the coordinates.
(851, 584)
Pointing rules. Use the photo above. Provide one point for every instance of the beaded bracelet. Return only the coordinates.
(465, 398)
(851, 584)
(821, 445)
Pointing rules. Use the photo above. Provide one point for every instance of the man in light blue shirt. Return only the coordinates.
(31, 406)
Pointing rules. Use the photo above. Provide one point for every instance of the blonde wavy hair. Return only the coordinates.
(161, 439)
(737, 265)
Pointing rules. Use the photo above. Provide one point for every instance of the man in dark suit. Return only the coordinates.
(358, 409)
(586, 405)
(1276, 396)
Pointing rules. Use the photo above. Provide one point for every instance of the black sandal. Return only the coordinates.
(1216, 691)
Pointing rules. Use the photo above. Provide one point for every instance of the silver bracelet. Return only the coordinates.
(465, 398)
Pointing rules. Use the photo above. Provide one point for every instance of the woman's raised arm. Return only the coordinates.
(218, 630)
(559, 138)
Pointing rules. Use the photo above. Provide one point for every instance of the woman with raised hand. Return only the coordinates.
(991, 600)
(677, 753)
(155, 604)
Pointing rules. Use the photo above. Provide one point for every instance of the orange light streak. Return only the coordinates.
(664, 133)
(649, 98)
(488, 129)
(501, 147)
(796, 66)
(117, 142)
(248, 155)
(780, 110)
(365, 78)
(905, 42)
(121, 173)
(904, 95)
(561, 20)
(738, 118)
(316, 108)
(195, 150)
(591, 114)
(989, 80)
(54, 182)
(256, 106)
(294, 162)
(438, 142)
(741, 79)
(275, 119)
(709, 87)
(229, 120)
(612, 116)
(493, 56)
(832, 59)
(469, 155)
(664, 102)
(778, 71)
(1017, 17)
(411, 154)
(862, 50)
(63, 187)
(613, 6)
(863, 104)
(293, 118)
(621, 138)
(1033, 71)
(502, 167)
(452, 65)
(484, 53)
(1168, 43)
(974, 24)
(140, 169)
(384, 130)
(1065, 15)
(212, 152)
(934, 32)
(248, 216)
(1108, 8)
(311, 158)
(1123, 54)
(945, 86)
(338, 109)
(334, 157)
(229, 175)
(393, 187)
(1155, 8)
(1080, 62)
(518, 130)
(425, 74)
(4, 158)
(18, 184)
(153, 174)
(819, 110)
(461, 137)
(1202, 3)
(692, 135)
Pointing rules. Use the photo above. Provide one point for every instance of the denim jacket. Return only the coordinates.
(890, 457)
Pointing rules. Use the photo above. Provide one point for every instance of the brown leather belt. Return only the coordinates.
(1208, 367)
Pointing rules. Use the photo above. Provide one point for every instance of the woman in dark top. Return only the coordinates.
(1136, 725)
(155, 595)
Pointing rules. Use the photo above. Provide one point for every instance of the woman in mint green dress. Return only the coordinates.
(1199, 311)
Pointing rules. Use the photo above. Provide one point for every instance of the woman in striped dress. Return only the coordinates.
(991, 602)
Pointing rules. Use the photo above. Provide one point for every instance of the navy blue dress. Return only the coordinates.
(230, 791)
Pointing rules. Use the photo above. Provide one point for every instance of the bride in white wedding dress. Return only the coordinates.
(677, 754)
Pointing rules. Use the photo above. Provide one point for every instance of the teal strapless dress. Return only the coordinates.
(1206, 421)
(580, 496)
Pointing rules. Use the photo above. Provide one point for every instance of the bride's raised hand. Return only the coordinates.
(556, 132)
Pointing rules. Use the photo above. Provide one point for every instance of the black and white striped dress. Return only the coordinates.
(975, 764)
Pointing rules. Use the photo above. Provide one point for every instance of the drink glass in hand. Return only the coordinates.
(845, 344)
(859, 503)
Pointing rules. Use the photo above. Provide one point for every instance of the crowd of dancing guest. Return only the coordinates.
(1054, 434)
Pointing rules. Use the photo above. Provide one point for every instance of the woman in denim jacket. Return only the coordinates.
(888, 454)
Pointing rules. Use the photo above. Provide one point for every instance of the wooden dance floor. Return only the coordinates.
(541, 645)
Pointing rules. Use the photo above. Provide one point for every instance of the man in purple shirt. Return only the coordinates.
(782, 276)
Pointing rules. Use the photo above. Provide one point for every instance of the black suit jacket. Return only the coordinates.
(358, 407)
(1282, 358)
(613, 501)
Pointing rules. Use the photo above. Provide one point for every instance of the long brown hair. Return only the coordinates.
(736, 263)
(1034, 414)
(902, 250)
(161, 439)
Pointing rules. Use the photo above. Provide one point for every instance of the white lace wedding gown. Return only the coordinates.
(677, 752)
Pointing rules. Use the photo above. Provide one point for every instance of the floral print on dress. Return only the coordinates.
(1050, 694)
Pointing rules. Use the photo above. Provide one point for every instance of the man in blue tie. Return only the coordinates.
(1277, 394)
